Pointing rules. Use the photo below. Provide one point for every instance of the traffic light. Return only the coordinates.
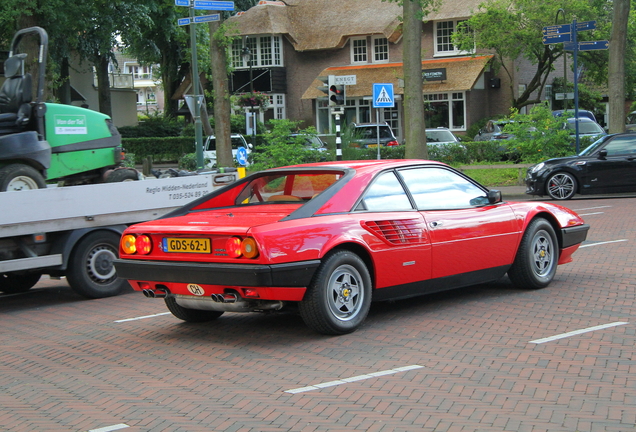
(326, 82)
(336, 95)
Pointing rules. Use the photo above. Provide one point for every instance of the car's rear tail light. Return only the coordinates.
(144, 244)
(132, 244)
(129, 244)
(392, 143)
(233, 247)
(249, 249)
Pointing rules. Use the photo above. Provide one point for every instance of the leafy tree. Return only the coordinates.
(512, 29)
(538, 135)
(281, 149)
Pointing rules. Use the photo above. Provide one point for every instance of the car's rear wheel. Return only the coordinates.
(561, 186)
(537, 258)
(190, 315)
(338, 299)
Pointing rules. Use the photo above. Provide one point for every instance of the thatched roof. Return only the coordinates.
(321, 24)
(461, 75)
(327, 24)
(454, 9)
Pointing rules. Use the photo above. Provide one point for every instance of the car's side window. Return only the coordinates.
(621, 146)
(385, 194)
(438, 188)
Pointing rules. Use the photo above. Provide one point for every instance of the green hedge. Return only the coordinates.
(163, 149)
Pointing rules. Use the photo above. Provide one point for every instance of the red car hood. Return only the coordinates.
(237, 220)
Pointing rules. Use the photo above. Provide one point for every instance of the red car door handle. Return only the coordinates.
(436, 224)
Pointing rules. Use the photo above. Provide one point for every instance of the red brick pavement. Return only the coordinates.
(66, 365)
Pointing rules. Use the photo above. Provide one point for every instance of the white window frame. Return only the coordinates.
(267, 51)
(355, 50)
(437, 42)
(375, 45)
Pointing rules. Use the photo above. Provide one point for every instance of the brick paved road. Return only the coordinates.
(67, 365)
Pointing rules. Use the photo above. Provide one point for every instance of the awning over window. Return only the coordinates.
(461, 74)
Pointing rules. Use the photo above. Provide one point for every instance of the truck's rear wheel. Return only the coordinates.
(91, 272)
(18, 177)
(11, 283)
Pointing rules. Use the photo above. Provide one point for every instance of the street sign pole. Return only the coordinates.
(576, 85)
(198, 126)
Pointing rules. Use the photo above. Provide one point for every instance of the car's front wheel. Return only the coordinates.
(537, 258)
(561, 186)
(338, 299)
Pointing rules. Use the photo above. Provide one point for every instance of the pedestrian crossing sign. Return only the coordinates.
(383, 95)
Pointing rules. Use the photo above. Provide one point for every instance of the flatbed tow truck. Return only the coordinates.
(75, 231)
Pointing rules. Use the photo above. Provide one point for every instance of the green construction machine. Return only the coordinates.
(44, 142)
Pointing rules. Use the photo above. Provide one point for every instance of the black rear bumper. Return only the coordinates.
(298, 274)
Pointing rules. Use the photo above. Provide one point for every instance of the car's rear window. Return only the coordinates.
(236, 143)
(290, 187)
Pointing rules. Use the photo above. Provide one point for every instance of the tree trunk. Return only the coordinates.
(64, 91)
(103, 85)
(414, 124)
(221, 99)
(616, 74)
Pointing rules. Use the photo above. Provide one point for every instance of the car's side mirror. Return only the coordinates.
(602, 155)
(250, 146)
(494, 196)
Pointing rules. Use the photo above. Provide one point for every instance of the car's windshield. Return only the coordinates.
(440, 136)
(594, 146)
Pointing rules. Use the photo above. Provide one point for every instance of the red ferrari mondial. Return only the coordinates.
(333, 237)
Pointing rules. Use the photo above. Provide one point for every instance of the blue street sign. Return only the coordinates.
(207, 18)
(556, 38)
(183, 21)
(182, 2)
(241, 156)
(593, 45)
(560, 28)
(383, 96)
(214, 5)
(585, 25)
(568, 46)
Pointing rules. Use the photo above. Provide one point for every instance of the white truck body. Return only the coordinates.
(40, 230)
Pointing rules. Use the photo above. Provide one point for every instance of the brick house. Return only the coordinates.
(296, 41)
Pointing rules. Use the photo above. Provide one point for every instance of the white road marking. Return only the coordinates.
(353, 379)
(578, 332)
(110, 428)
(590, 214)
(602, 243)
(591, 208)
(142, 317)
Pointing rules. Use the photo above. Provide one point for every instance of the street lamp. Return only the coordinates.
(247, 58)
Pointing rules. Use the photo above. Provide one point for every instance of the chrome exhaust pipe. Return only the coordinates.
(158, 293)
(224, 298)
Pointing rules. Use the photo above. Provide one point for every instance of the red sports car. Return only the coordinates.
(333, 237)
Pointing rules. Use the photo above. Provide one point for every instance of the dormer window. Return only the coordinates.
(266, 50)
(380, 49)
(360, 47)
(359, 50)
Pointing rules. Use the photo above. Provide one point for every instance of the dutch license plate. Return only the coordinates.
(189, 245)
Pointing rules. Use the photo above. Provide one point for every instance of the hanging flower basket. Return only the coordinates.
(256, 99)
